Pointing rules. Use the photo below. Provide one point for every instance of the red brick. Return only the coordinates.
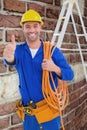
(66, 127)
(71, 116)
(52, 12)
(3, 68)
(4, 123)
(72, 58)
(49, 25)
(7, 108)
(0, 4)
(42, 36)
(70, 88)
(84, 117)
(9, 21)
(1, 35)
(1, 50)
(75, 18)
(75, 58)
(85, 111)
(85, 21)
(79, 21)
(65, 119)
(78, 58)
(75, 121)
(19, 36)
(84, 106)
(46, 1)
(69, 126)
(78, 125)
(57, 2)
(82, 39)
(49, 36)
(15, 119)
(40, 9)
(85, 57)
(75, 95)
(79, 85)
(73, 38)
(67, 109)
(68, 46)
(79, 29)
(70, 28)
(84, 127)
(14, 5)
(74, 104)
(66, 38)
(84, 89)
(82, 98)
(78, 110)
(85, 3)
(68, 59)
(76, 86)
(85, 12)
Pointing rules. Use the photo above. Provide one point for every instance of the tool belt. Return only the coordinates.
(40, 110)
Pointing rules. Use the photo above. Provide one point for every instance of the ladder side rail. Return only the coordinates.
(78, 42)
(60, 39)
(84, 30)
(58, 23)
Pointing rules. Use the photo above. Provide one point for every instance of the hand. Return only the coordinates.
(50, 66)
(9, 50)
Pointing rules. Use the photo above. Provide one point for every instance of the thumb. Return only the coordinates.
(13, 40)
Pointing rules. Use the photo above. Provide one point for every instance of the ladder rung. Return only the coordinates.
(81, 34)
(56, 34)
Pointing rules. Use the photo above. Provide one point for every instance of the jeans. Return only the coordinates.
(30, 123)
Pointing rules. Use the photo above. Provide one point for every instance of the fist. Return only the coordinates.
(9, 50)
(48, 65)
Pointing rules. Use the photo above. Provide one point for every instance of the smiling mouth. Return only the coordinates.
(33, 34)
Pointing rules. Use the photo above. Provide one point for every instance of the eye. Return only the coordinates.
(36, 26)
(27, 26)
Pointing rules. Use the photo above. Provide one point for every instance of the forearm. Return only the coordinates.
(57, 70)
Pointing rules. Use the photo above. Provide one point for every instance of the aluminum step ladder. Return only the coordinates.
(65, 14)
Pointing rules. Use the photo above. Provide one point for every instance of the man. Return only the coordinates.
(29, 62)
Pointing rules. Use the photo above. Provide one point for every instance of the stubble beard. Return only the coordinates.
(32, 37)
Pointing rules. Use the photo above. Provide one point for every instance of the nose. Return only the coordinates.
(32, 29)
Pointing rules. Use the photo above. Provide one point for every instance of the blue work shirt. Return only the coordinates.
(30, 71)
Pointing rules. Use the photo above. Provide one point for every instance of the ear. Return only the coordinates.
(41, 26)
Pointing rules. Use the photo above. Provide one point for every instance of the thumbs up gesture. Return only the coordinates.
(9, 50)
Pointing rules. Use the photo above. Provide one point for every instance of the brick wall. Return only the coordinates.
(75, 115)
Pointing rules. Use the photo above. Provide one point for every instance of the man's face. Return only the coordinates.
(31, 31)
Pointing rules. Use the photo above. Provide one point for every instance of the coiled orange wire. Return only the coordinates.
(57, 98)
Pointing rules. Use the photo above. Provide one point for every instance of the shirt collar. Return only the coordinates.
(40, 50)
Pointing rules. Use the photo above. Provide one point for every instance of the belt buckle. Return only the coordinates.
(27, 111)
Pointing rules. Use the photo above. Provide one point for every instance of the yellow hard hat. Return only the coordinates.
(31, 16)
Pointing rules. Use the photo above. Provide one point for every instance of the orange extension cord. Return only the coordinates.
(57, 98)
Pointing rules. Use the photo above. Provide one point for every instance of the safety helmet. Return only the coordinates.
(31, 16)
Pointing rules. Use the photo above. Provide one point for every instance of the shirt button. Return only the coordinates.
(41, 128)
